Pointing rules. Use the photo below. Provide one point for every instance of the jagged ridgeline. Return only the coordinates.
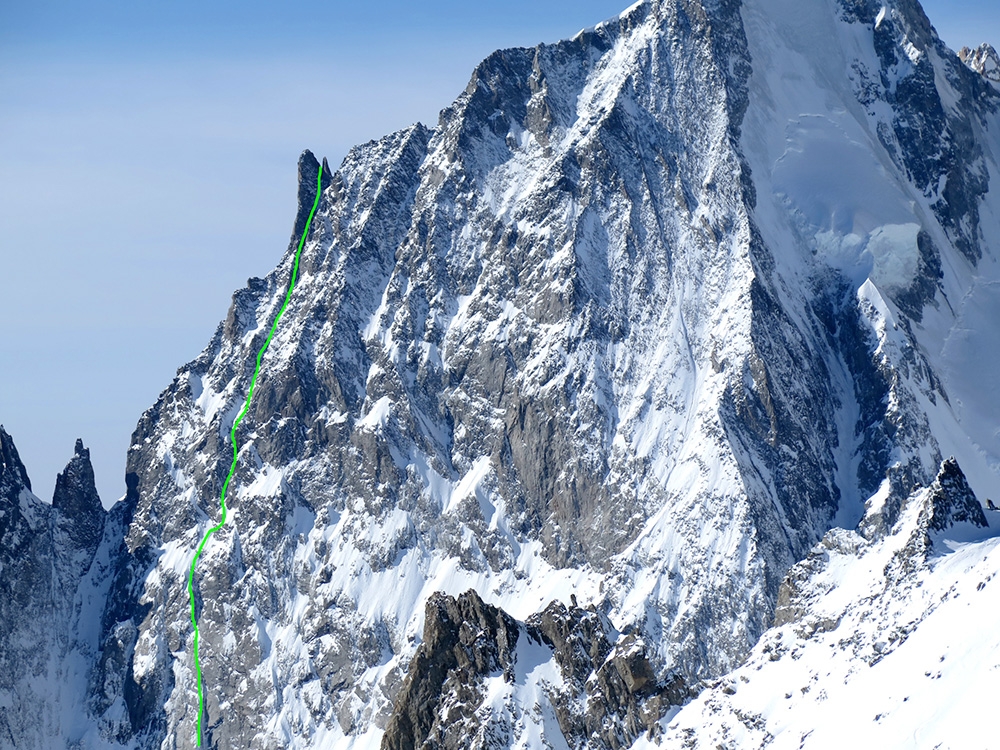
(568, 383)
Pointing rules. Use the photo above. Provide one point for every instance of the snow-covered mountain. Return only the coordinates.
(890, 642)
(567, 386)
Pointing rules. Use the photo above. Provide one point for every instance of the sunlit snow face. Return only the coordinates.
(857, 219)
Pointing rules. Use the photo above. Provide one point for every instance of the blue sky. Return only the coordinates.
(147, 169)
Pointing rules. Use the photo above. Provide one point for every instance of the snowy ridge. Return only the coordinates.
(888, 643)
(984, 60)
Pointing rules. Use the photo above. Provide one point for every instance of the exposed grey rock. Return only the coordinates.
(26, 601)
(79, 512)
(609, 696)
(12, 472)
(621, 695)
(465, 641)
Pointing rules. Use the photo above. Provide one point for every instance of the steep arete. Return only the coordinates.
(614, 345)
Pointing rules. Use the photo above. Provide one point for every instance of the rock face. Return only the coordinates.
(79, 513)
(953, 501)
(611, 676)
(645, 315)
(51, 595)
(474, 677)
(465, 641)
(19, 521)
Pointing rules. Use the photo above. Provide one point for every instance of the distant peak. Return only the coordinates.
(76, 492)
(983, 59)
(11, 468)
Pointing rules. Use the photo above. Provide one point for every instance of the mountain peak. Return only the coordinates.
(12, 471)
(76, 500)
(309, 165)
(953, 501)
(634, 326)
(983, 59)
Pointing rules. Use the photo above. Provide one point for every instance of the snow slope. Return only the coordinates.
(887, 643)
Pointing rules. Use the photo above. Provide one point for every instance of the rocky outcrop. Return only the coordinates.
(952, 500)
(49, 607)
(465, 641)
(13, 476)
(608, 693)
(27, 605)
(79, 514)
(22, 520)
(607, 674)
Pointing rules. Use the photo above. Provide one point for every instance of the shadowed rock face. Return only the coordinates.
(607, 696)
(25, 554)
(953, 501)
(25, 543)
(80, 512)
(50, 608)
(13, 476)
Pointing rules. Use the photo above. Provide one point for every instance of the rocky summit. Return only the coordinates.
(984, 60)
(605, 411)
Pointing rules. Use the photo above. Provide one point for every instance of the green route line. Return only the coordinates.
(232, 436)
